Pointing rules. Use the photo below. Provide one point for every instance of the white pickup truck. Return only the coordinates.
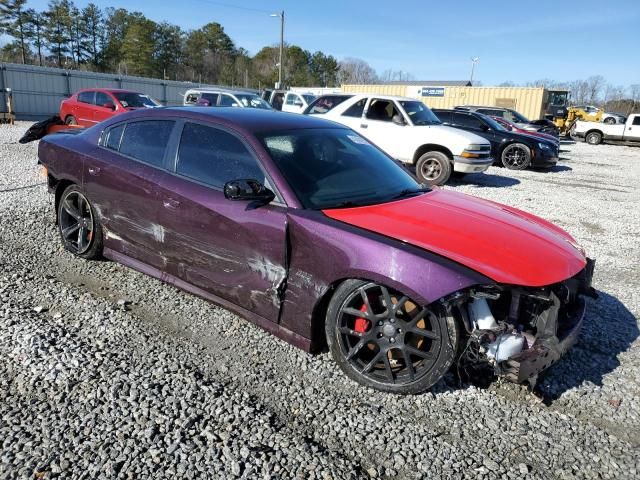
(595, 132)
(408, 131)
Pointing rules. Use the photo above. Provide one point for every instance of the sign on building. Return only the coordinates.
(432, 92)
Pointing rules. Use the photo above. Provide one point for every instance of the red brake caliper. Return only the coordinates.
(362, 324)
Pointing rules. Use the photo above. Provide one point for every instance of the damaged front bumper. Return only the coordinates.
(546, 320)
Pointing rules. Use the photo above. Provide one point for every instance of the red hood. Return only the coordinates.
(505, 244)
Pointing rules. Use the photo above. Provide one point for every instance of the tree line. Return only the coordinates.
(117, 40)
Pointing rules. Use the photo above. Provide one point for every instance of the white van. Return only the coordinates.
(218, 97)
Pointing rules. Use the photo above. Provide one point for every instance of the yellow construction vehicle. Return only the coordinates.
(583, 112)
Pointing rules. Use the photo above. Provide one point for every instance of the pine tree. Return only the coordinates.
(13, 21)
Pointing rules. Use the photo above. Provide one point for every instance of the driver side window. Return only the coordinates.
(227, 101)
(214, 157)
(381, 110)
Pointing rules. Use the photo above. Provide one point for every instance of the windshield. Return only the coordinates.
(308, 98)
(252, 101)
(419, 113)
(335, 167)
(135, 100)
(559, 99)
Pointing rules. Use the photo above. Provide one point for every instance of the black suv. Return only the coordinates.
(515, 151)
(542, 126)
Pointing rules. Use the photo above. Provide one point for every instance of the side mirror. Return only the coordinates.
(248, 189)
(398, 120)
(109, 105)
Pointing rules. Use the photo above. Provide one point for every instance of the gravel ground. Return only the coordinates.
(106, 373)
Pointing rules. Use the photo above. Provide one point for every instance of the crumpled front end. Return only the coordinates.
(518, 332)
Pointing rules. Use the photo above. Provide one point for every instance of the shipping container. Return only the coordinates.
(529, 101)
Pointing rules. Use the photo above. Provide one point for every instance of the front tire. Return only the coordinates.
(78, 224)
(382, 339)
(594, 138)
(516, 156)
(433, 168)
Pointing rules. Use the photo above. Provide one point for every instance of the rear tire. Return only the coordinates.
(516, 156)
(594, 138)
(78, 224)
(433, 168)
(70, 120)
(381, 339)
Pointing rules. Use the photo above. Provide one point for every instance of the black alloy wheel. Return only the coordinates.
(383, 339)
(79, 229)
(516, 156)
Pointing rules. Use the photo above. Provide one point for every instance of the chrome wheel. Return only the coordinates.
(76, 222)
(431, 169)
(387, 338)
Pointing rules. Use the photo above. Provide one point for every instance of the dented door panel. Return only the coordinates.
(224, 247)
(124, 193)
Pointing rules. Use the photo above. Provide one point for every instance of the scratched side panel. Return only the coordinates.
(324, 251)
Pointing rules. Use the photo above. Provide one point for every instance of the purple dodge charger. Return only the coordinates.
(310, 231)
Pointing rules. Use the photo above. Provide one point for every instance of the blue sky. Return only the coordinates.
(515, 40)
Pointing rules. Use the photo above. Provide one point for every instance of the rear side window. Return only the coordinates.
(86, 97)
(636, 121)
(445, 117)
(212, 98)
(147, 140)
(465, 120)
(114, 136)
(356, 109)
(292, 98)
(215, 157)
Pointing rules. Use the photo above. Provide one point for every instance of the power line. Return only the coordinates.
(238, 7)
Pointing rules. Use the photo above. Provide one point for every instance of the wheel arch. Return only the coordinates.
(594, 130)
(60, 186)
(431, 147)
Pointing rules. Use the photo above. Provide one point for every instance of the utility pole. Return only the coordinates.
(280, 64)
(474, 60)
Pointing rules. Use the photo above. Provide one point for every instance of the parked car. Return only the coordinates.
(275, 98)
(219, 97)
(407, 130)
(515, 151)
(596, 133)
(607, 117)
(542, 125)
(512, 127)
(90, 106)
(309, 230)
(295, 102)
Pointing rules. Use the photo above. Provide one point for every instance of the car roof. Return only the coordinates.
(383, 97)
(222, 90)
(111, 90)
(249, 119)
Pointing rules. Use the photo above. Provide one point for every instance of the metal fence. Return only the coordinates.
(38, 91)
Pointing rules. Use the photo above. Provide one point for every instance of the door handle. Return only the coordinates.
(363, 125)
(94, 171)
(170, 203)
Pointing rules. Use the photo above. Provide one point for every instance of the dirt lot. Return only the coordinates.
(106, 373)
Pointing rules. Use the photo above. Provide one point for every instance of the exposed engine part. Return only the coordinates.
(505, 346)
(481, 315)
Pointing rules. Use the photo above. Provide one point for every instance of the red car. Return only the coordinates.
(88, 107)
(512, 127)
